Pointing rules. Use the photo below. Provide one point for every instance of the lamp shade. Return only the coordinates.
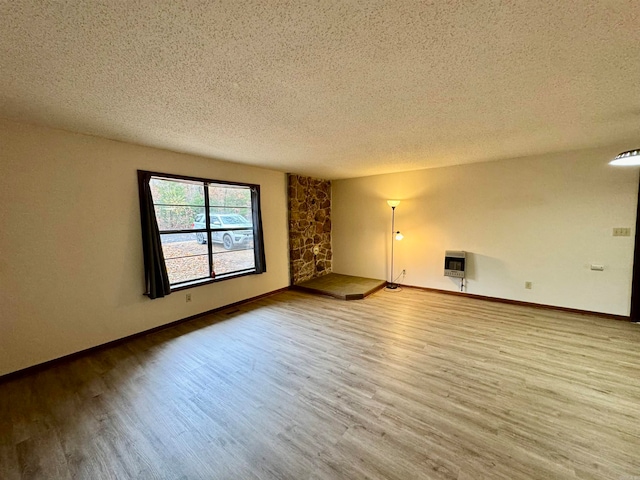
(629, 158)
(393, 203)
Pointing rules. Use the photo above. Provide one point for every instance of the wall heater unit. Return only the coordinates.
(454, 263)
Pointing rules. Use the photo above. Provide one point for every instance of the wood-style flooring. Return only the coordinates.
(403, 385)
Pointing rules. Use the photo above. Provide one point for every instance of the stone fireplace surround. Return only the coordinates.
(309, 227)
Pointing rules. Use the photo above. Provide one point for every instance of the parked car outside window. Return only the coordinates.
(221, 233)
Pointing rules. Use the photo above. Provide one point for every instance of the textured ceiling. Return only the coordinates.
(332, 89)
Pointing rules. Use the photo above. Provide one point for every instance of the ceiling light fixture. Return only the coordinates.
(627, 159)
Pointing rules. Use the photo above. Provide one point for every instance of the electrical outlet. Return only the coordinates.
(528, 285)
(404, 272)
(188, 297)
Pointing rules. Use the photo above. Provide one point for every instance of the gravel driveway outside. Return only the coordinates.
(188, 259)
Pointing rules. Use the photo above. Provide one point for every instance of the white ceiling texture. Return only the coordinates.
(332, 89)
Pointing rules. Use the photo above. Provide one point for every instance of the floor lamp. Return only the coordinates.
(395, 235)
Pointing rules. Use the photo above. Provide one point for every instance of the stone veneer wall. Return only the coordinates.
(309, 227)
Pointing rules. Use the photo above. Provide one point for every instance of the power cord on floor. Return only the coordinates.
(397, 287)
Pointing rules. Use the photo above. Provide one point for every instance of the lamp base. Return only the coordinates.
(392, 286)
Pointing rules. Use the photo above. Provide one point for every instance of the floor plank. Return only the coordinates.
(409, 384)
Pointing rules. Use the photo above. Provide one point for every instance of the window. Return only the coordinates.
(209, 230)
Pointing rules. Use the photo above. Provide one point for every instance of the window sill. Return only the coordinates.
(206, 281)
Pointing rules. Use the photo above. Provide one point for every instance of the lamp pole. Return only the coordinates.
(393, 232)
(393, 204)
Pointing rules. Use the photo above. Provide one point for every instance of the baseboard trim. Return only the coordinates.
(72, 356)
(541, 306)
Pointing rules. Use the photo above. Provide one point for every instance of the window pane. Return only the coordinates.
(233, 261)
(177, 192)
(230, 200)
(232, 239)
(186, 258)
(180, 218)
(187, 268)
(179, 205)
(239, 257)
(229, 225)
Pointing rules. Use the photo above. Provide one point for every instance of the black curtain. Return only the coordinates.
(258, 239)
(155, 271)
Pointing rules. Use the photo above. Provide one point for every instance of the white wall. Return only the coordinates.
(541, 219)
(71, 268)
